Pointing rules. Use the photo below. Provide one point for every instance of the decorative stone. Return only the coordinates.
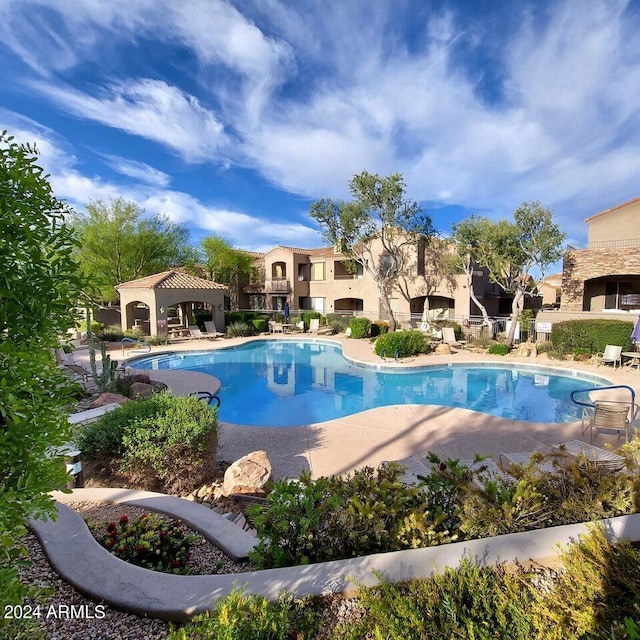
(526, 350)
(141, 390)
(108, 398)
(443, 350)
(250, 474)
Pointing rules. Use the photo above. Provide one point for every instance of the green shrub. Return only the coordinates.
(401, 344)
(309, 520)
(310, 315)
(112, 333)
(150, 542)
(597, 587)
(240, 329)
(463, 602)
(593, 335)
(359, 327)
(158, 339)
(379, 327)
(260, 325)
(544, 347)
(457, 329)
(251, 617)
(165, 442)
(499, 349)
(338, 321)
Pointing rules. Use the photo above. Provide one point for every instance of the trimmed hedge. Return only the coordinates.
(593, 335)
(359, 327)
(401, 344)
(379, 327)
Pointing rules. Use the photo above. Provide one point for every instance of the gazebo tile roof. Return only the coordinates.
(171, 280)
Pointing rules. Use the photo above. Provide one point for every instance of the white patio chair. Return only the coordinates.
(612, 355)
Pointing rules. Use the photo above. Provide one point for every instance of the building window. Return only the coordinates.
(317, 271)
(317, 304)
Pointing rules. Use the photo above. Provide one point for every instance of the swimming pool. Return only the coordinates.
(282, 383)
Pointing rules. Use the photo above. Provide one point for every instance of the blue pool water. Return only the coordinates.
(282, 383)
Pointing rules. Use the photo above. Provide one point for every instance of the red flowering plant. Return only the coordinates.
(151, 542)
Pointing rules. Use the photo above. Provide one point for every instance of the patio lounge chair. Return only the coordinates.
(449, 337)
(314, 325)
(211, 330)
(275, 327)
(524, 459)
(300, 326)
(608, 417)
(591, 454)
(195, 333)
(612, 355)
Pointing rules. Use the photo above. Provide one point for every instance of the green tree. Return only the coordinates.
(118, 244)
(227, 265)
(39, 288)
(467, 237)
(511, 250)
(374, 228)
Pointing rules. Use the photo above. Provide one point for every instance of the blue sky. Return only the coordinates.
(232, 117)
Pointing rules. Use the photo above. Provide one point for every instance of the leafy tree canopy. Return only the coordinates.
(374, 227)
(39, 288)
(118, 244)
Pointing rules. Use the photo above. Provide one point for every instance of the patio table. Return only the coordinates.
(634, 356)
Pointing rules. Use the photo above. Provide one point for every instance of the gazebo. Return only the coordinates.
(169, 288)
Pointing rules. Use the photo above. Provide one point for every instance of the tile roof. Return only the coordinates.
(171, 280)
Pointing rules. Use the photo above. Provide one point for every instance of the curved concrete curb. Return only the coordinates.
(81, 561)
(235, 542)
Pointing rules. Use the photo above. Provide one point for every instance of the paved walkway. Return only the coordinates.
(337, 446)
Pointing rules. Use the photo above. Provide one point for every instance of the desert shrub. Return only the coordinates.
(457, 329)
(240, 329)
(310, 315)
(401, 344)
(112, 333)
(379, 327)
(309, 520)
(135, 332)
(359, 327)
(338, 321)
(165, 442)
(160, 338)
(260, 325)
(463, 602)
(151, 542)
(251, 617)
(499, 349)
(593, 335)
(483, 341)
(580, 353)
(595, 590)
(544, 347)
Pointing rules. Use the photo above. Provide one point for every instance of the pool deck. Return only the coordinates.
(388, 433)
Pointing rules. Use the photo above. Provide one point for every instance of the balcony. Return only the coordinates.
(278, 285)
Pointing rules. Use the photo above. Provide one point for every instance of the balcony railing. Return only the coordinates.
(278, 285)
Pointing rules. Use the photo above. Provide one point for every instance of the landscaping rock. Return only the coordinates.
(250, 474)
(443, 350)
(108, 398)
(526, 350)
(141, 390)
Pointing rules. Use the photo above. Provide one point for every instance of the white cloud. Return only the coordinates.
(148, 108)
(136, 169)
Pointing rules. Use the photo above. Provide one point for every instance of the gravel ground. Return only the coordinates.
(96, 621)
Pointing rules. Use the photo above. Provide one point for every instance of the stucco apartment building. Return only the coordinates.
(604, 279)
(318, 279)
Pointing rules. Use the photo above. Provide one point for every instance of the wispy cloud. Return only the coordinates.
(148, 108)
(136, 169)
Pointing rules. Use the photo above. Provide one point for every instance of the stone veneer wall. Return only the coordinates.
(586, 264)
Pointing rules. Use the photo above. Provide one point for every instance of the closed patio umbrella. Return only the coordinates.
(635, 334)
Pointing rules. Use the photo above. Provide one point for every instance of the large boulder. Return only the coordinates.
(443, 350)
(108, 398)
(250, 474)
(141, 390)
